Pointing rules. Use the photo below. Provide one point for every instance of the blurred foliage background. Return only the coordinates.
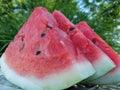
(102, 15)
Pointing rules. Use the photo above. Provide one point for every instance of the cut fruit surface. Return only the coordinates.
(55, 81)
(101, 62)
(112, 77)
(43, 57)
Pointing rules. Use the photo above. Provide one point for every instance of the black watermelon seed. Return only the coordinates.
(72, 28)
(43, 34)
(49, 27)
(38, 52)
(94, 41)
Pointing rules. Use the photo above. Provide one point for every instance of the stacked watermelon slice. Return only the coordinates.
(51, 53)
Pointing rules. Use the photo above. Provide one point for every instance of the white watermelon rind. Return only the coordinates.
(58, 81)
(102, 66)
(110, 78)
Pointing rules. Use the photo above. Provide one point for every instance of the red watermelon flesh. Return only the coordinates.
(114, 75)
(101, 62)
(42, 57)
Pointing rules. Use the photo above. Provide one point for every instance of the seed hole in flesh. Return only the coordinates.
(94, 41)
(43, 34)
(22, 47)
(72, 28)
(38, 52)
(22, 38)
(49, 27)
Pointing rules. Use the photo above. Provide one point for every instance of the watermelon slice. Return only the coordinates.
(101, 62)
(42, 57)
(114, 76)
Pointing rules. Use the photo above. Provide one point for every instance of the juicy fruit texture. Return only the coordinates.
(101, 62)
(98, 41)
(57, 81)
(112, 77)
(43, 56)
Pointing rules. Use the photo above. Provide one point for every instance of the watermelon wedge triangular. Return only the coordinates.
(112, 77)
(101, 62)
(42, 57)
